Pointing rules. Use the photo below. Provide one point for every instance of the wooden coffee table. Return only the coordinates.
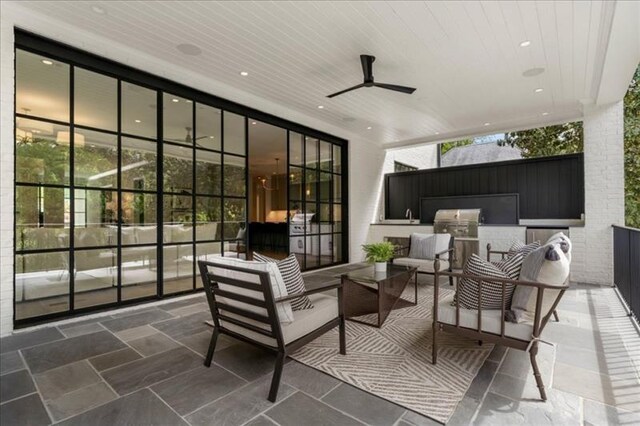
(368, 292)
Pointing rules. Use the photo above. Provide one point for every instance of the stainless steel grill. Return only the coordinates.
(463, 225)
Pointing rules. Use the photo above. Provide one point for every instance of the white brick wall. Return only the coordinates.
(604, 194)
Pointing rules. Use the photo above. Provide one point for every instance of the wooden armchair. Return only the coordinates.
(243, 306)
(489, 325)
(425, 266)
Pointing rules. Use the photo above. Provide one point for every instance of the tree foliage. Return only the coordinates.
(448, 146)
(560, 139)
(632, 152)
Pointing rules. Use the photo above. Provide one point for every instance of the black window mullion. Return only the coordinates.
(247, 236)
(288, 198)
(193, 194)
(223, 158)
(160, 196)
(119, 189)
(72, 191)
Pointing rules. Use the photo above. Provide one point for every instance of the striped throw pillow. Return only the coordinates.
(292, 277)
(525, 249)
(511, 265)
(468, 291)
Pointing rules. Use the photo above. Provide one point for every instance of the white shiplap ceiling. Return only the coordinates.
(464, 58)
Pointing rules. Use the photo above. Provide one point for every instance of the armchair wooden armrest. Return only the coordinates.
(500, 252)
(450, 250)
(308, 292)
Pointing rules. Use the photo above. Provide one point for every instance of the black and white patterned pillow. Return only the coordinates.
(468, 291)
(525, 249)
(292, 277)
(511, 265)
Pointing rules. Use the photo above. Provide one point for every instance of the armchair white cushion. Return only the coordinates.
(423, 265)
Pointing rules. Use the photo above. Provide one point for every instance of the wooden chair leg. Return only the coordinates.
(277, 374)
(555, 316)
(536, 371)
(212, 348)
(343, 339)
(434, 353)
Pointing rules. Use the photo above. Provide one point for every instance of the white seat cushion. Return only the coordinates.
(325, 309)
(423, 265)
(491, 320)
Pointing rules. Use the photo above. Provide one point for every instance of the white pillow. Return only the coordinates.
(285, 314)
(564, 241)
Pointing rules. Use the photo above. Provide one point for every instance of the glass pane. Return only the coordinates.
(96, 278)
(177, 268)
(311, 152)
(207, 133)
(337, 188)
(311, 185)
(206, 252)
(310, 209)
(313, 248)
(139, 218)
(42, 152)
(139, 111)
(234, 133)
(234, 219)
(337, 248)
(42, 284)
(96, 159)
(337, 159)
(139, 272)
(208, 172)
(177, 119)
(297, 247)
(325, 186)
(139, 164)
(42, 86)
(325, 218)
(326, 249)
(296, 149)
(337, 217)
(325, 156)
(234, 176)
(178, 209)
(96, 100)
(207, 218)
(40, 218)
(96, 217)
(295, 183)
(178, 169)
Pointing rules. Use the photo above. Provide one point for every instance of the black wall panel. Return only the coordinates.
(548, 187)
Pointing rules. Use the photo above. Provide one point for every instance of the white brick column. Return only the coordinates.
(604, 194)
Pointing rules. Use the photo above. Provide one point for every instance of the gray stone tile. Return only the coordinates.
(153, 344)
(80, 400)
(247, 361)
(301, 409)
(199, 342)
(137, 319)
(147, 371)
(59, 381)
(182, 303)
(15, 385)
(239, 406)
(141, 408)
(518, 363)
(497, 353)
(26, 411)
(307, 379)
(135, 333)
(596, 414)
(130, 312)
(481, 382)
(517, 389)
(414, 419)
(189, 391)
(28, 339)
(560, 409)
(261, 421)
(464, 412)
(614, 363)
(113, 359)
(88, 321)
(55, 354)
(79, 330)
(364, 406)
(10, 361)
(182, 327)
(191, 309)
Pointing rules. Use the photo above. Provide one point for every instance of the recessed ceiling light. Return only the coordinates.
(486, 124)
(369, 128)
(320, 106)
(47, 62)
(253, 122)
(189, 49)
(244, 73)
(211, 137)
(175, 100)
(532, 72)
(137, 121)
(437, 133)
(525, 43)
(545, 113)
(538, 90)
(98, 10)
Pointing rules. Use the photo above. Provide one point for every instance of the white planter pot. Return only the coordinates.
(380, 266)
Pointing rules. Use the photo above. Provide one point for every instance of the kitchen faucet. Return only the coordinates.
(409, 215)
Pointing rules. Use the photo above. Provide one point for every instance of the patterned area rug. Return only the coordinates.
(394, 362)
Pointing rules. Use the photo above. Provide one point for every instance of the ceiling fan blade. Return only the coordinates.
(346, 90)
(403, 89)
(367, 66)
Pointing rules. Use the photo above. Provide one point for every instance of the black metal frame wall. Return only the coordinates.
(75, 58)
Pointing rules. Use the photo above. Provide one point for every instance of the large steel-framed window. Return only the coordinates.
(124, 180)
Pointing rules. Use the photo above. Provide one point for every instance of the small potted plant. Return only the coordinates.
(379, 254)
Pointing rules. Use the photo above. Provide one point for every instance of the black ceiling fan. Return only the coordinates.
(367, 70)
